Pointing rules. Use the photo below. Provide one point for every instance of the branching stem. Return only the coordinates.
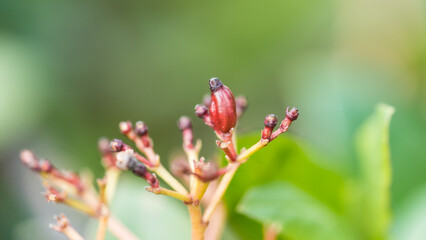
(169, 179)
(185, 198)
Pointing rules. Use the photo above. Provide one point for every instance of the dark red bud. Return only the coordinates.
(116, 145)
(125, 127)
(222, 109)
(292, 114)
(271, 121)
(184, 123)
(138, 168)
(201, 111)
(241, 105)
(141, 129)
(185, 126)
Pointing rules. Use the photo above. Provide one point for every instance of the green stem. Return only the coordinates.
(220, 191)
(169, 179)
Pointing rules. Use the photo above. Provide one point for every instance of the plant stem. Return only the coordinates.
(192, 156)
(169, 179)
(119, 230)
(256, 147)
(112, 174)
(103, 223)
(102, 208)
(72, 234)
(226, 180)
(63, 226)
(220, 191)
(217, 222)
(80, 206)
(171, 193)
(198, 189)
(198, 226)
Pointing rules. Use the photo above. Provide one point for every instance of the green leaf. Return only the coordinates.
(372, 144)
(299, 215)
(288, 159)
(410, 217)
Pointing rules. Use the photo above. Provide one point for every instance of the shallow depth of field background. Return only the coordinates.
(71, 70)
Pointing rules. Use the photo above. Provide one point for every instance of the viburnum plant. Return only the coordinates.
(220, 111)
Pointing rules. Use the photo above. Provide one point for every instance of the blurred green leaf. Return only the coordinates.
(372, 144)
(299, 215)
(286, 159)
(410, 217)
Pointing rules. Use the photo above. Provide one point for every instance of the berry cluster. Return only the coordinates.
(206, 182)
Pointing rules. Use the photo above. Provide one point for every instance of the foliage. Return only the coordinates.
(312, 201)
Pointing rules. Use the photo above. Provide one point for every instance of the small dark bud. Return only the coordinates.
(141, 128)
(180, 167)
(152, 180)
(125, 127)
(126, 160)
(185, 126)
(201, 110)
(207, 171)
(116, 145)
(207, 100)
(138, 168)
(293, 114)
(271, 121)
(103, 145)
(241, 105)
(184, 123)
(215, 84)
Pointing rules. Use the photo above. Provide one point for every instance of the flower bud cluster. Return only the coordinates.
(290, 116)
(220, 110)
(43, 166)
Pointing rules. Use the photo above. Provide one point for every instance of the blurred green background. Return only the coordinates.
(71, 70)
